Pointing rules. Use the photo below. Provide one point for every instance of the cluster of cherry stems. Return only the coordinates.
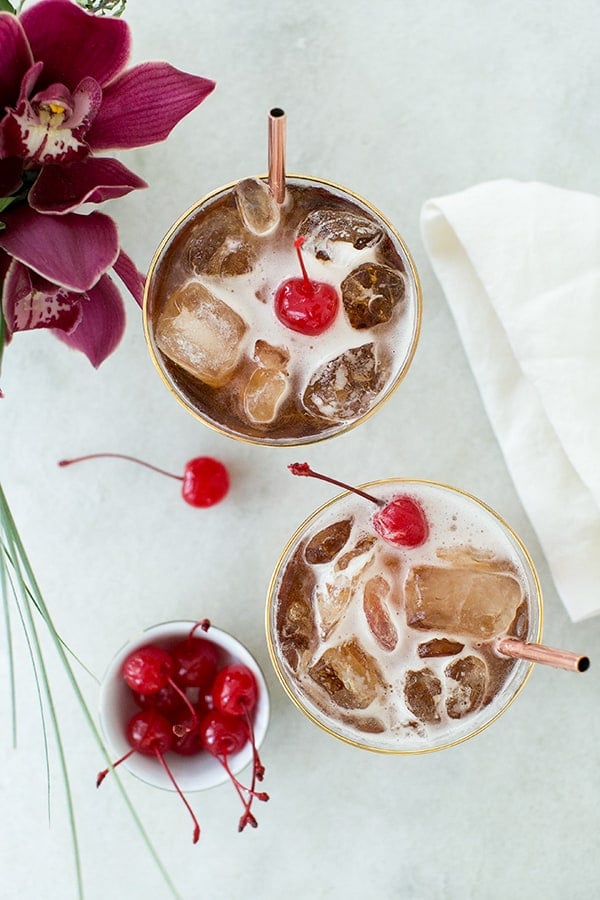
(188, 705)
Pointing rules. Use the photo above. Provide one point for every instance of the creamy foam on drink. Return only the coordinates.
(319, 381)
(392, 646)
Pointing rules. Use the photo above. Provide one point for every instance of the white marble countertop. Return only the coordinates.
(400, 101)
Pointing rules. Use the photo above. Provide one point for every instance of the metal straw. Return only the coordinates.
(277, 154)
(547, 656)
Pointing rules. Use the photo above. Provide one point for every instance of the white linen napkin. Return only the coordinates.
(520, 266)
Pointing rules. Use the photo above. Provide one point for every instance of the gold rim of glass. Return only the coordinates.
(269, 624)
(282, 442)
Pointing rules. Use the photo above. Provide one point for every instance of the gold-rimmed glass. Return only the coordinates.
(504, 540)
(203, 402)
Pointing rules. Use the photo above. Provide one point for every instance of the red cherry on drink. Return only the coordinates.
(151, 734)
(303, 305)
(205, 480)
(401, 521)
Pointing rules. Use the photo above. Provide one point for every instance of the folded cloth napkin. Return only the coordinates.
(520, 266)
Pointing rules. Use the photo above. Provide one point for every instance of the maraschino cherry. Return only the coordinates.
(205, 480)
(401, 521)
(190, 706)
(222, 736)
(196, 661)
(150, 733)
(303, 305)
(149, 669)
(235, 692)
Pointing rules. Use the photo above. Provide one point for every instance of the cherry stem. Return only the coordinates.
(163, 763)
(308, 285)
(181, 730)
(102, 775)
(305, 469)
(258, 770)
(247, 818)
(204, 625)
(69, 462)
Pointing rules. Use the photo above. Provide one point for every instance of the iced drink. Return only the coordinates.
(237, 356)
(393, 648)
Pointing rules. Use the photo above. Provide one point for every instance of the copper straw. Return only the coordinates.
(277, 154)
(548, 656)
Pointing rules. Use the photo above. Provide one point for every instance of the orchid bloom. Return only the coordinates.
(65, 95)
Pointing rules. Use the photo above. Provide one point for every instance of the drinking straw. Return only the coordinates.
(548, 656)
(277, 153)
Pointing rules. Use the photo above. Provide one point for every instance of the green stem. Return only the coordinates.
(32, 590)
(42, 673)
(2, 334)
(9, 646)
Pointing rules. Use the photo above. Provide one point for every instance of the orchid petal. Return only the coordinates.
(131, 277)
(50, 127)
(72, 251)
(97, 46)
(144, 104)
(102, 323)
(10, 176)
(60, 189)
(31, 302)
(15, 58)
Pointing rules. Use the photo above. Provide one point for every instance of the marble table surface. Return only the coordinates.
(402, 102)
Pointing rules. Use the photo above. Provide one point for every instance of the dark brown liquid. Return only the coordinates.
(223, 406)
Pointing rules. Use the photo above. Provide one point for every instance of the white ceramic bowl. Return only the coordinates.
(117, 706)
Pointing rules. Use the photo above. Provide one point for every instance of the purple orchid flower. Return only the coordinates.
(65, 95)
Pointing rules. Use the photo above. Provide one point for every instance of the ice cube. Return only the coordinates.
(257, 205)
(422, 692)
(349, 674)
(439, 647)
(327, 543)
(270, 357)
(459, 600)
(323, 228)
(200, 333)
(366, 724)
(263, 395)
(220, 246)
(346, 386)
(472, 557)
(295, 623)
(469, 674)
(362, 546)
(370, 293)
(332, 600)
(376, 591)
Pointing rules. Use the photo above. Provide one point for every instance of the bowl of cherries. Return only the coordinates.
(185, 707)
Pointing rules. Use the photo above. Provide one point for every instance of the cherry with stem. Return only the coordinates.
(222, 736)
(303, 305)
(400, 521)
(205, 480)
(235, 692)
(150, 733)
(148, 670)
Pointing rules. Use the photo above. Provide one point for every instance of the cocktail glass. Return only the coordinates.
(223, 350)
(395, 648)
